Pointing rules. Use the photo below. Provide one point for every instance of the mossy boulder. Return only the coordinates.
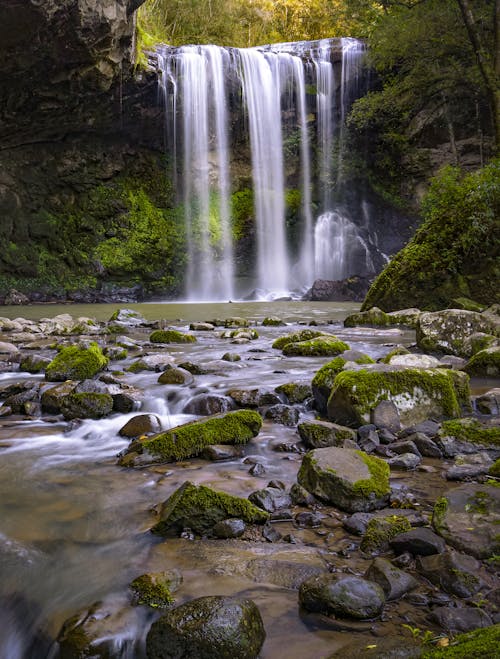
(171, 336)
(398, 350)
(191, 438)
(468, 519)
(407, 317)
(449, 331)
(485, 363)
(382, 529)
(140, 424)
(374, 317)
(296, 337)
(296, 392)
(87, 405)
(348, 479)
(272, 321)
(236, 321)
(322, 434)
(176, 376)
(322, 383)
(321, 346)
(457, 574)
(76, 363)
(156, 589)
(479, 644)
(34, 363)
(418, 394)
(200, 508)
(345, 597)
(213, 627)
(53, 397)
(473, 431)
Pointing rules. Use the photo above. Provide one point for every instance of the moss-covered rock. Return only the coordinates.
(479, 644)
(471, 430)
(76, 363)
(398, 350)
(272, 321)
(171, 336)
(87, 405)
(449, 331)
(418, 394)
(321, 346)
(296, 337)
(322, 383)
(176, 376)
(236, 321)
(485, 363)
(213, 627)
(199, 508)
(348, 479)
(322, 434)
(156, 589)
(467, 304)
(33, 363)
(374, 317)
(382, 529)
(495, 469)
(296, 392)
(191, 438)
(140, 424)
(52, 398)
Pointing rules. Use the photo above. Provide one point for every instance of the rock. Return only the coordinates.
(471, 431)
(420, 541)
(405, 446)
(213, 627)
(86, 406)
(461, 620)
(176, 376)
(300, 496)
(115, 353)
(469, 466)
(229, 528)
(307, 520)
(271, 533)
(158, 362)
(373, 317)
(76, 363)
(323, 381)
(448, 330)
(127, 318)
(489, 403)
(231, 357)
(348, 597)
(16, 298)
(201, 327)
(415, 361)
(296, 337)
(19, 402)
(485, 363)
(394, 582)
(272, 321)
(453, 362)
(408, 317)
(155, 588)
(467, 518)
(270, 499)
(380, 530)
(253, 397)
(322, 434)
(52, 398)
(217, 452)
(127, 400)
(236, 321)
(282, 414)
(404, 461)
(141, 424)
(257, 469)
(425, 445)
(208, 404)
(191, 438)
(352, 289)
(8, 348)
(386, 415)
(389, 647)
(171, 336)
(368, 438)
(200, 508)
(358, 523)
(295, 392)
(417, 394)
(454, 573)
(322, 346)
(345, 478)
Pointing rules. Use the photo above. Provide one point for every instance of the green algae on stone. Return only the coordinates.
(471, 430)
(495, 469)
(199, 508)
(155, 589)
(296, 337)
(324, 379)
(76, 363)
(484, 363)
(373, 316)
(321, 346)
(171, 336)
(380, 530)
(398, 350)
(272, 321)
(296, 392)
(190, 439)
(481, 643)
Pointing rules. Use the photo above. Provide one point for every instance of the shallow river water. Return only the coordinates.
(74, 527)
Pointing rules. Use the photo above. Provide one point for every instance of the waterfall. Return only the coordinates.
(285, 105)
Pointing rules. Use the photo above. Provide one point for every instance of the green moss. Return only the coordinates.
(191, 438)
(484, 363)
(87, 405)
(324, 379)
(272, 321)
(153, 590)
(495, 469)
(398, 350)
(373, 316)
(76, 363)
(199, 508)
(294, 391)
(470, 430)
(479, 503)
(242, 211)
(296, 337)
(467, 304)
(378, 483)
(479, 644)
(321, 346)
(439, 512)
(171, 336)
(380, 531)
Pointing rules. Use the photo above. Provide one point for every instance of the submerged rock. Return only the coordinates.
(200, 508)
(213, 627)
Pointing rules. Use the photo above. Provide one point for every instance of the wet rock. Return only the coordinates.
(86, 406)
(295, 392)
(76, 363)
(201, 327)
(419, 541)
(373, 317)
(448, 330)
(213, 627)
(270, 499)
(236, 321)
(358, 523)
(391, 647)
(469, 466)
(368, 438)
(157, 362)
(350, 597)
(200, 508)
(296, 337)
(141, 424)
(272, 321)
(229, 528)
(271, 533)
(156, 588)
(257, 469)
(231, 357)
(386, 415)
(52, 398)
(406, 461)
(425, 445)
(485, 363)
(282, 414)
(208, 404)
(300, 496)
(171, 336)
(217, 452)
(453, 362)
(394, 582)
(322, 434)
(307, 520)
(473, 432)
(176, 376)
(253, 397)
(17, 402)
(127, 400)
(325, 345)
(489, 403)
(195, 369)
(323, 381)
(348, 479)
(405, 446)
(457, 574)
(380, 530)
(351, 289)
(460, 620)
(467, 518)
(127, 318)
(115, 353)
(8, 348)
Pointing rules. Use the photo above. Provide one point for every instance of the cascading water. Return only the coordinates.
(287, 105)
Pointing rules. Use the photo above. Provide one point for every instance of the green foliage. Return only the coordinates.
(242, 213)
(453, 250)
(479, 644)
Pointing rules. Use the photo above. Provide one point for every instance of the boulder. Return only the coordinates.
(457, 574)
(272, 321)
(208, 404)
(373, 317)
(467, 518)
(380, 530)
(171, 336)
(127, 318)
(469, 466)
(253, 397)
(212, 627)
(386, 415)
(52, 398)
(322, 383)
(296, 337)
(321, 346)
(176, 376)
(190, 439)
(201, 327)
(347, 597)
(322, 434)
(86, 405)
(286, 415)
(461, 620)
(414, 361)
(141, 424)
(489, 402)
(200, 508)
(229, 528)
(485, 363)
(157, 362)
(295, 392)
(420, 541)
(270, 499)
(348, 479)
(76, 363)
(352, 289)
(471, 431)
(417, 394)
(394, 582)
(448, 330)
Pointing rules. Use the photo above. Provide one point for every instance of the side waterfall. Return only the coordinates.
(280, 103)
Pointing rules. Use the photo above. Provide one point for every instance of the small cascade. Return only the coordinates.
(286, 106)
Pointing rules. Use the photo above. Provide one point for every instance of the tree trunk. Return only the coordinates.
(489, 66)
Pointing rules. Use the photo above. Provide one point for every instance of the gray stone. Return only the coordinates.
(460, 620)
(469, 466)
(201, 327)
(322, 434)
(414, 361)
(386, 415)
(270, 499)
(425, 445)
(404, 461)
(229, 528)
(405, 446)
(457, 574)
(208, 404)
(350, 597)
(217, 452)
(177, 376)
(282, 414)
(419, 541)
(231, 357)
(448, 330)
(394, 582)
(489, 403)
